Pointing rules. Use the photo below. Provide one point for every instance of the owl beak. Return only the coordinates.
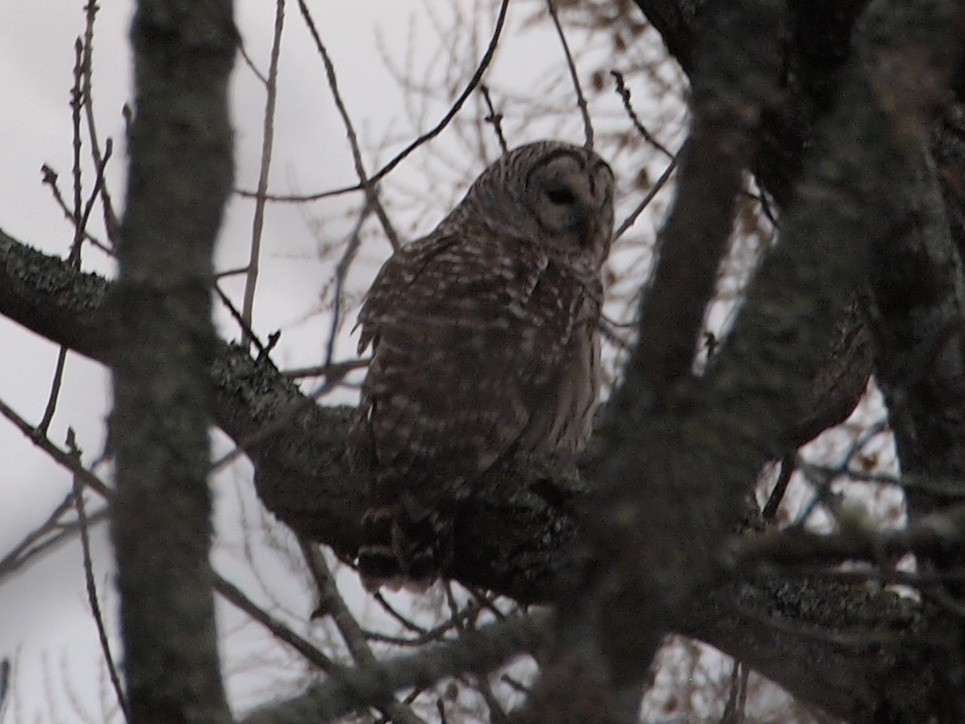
(586, 224)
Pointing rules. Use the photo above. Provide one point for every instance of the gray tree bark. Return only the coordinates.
(161, 338)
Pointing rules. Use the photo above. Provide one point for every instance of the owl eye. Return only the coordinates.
(561, 195)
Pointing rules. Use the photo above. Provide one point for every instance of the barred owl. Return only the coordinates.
(485, 345)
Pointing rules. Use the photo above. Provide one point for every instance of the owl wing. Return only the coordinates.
(466, 337)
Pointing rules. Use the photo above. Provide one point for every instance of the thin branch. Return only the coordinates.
(335, 369)
(279, 630)
(31, 548)
(59, 456)
(574, 76)
(425, 137)
(82, 476)
(28, 547)
(55, 385)
(368, 185)
(624, 94)
(424, 636)
(32, 544)
(49, 178)
(341, 272)
(250, 63)
(87, 70)
(236, 271)
(4, 685)
(267, 140)
(780, 487)
(406, 623)
(236, 315)
(332, 604)
(76, 102)
(80, 234)
(737, 700)
(494, 119)
(92, 598)
(654, 190)
(111, 223)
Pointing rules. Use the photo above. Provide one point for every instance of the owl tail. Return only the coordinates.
(404, 545)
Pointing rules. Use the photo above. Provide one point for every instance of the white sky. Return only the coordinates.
(45, 624)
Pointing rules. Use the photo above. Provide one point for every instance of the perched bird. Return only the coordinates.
(485, 345)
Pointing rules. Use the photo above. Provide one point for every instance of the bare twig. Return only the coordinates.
(367, 184)
(624, 94)
(39, 539)
(4, 685)
(80, 233)
(76, 102)
(61, 457)
(515, 685)
(425, 137)
(92, 599)
(246, 329)
(279, 630)
(424, 636)
(654, 190)
(267, 140)
(468, 623)
(251, 63)
(332, 604)
(780, 487)
(55, 385)
(111, 223)
(87, 70)
(46, 538)
(49, 178)
(234, 272)
(765, 203)
(335, 369)
(494, 119)
(406, 623)
(574, 76)
(737, 700)
(341, 272)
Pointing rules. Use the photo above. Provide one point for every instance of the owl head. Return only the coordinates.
(550, 193)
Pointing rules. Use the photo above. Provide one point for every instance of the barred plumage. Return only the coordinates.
(484, 345)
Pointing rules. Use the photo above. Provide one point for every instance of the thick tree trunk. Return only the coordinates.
(161, 341)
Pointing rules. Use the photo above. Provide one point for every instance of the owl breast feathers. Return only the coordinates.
(484, 345)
